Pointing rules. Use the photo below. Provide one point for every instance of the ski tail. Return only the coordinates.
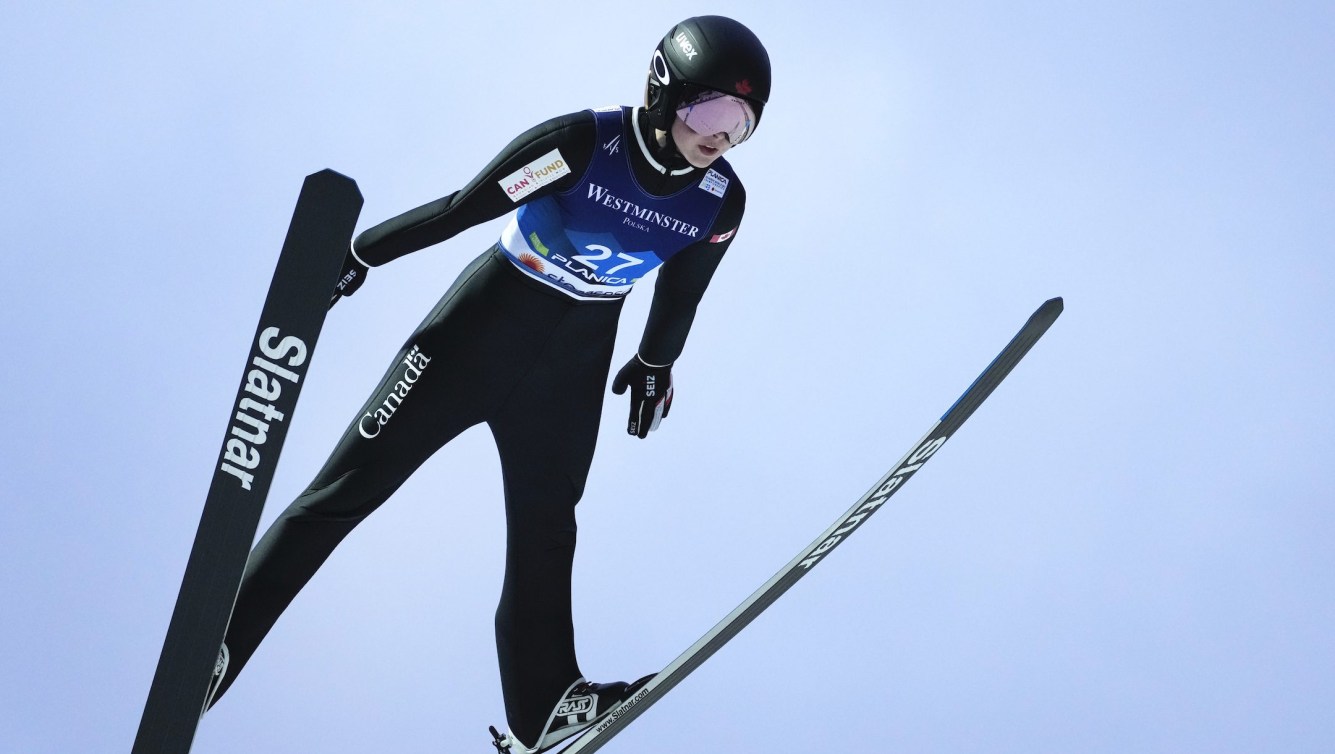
(811, 556)
(290, 323)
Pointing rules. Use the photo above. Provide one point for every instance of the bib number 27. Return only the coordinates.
(601, 253)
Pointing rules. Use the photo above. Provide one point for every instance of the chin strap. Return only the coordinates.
(668, 152)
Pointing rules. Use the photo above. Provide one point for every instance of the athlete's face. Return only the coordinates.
(699, 149)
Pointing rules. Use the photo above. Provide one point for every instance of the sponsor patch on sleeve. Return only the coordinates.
(715, 183)
(535, 175)
(721, 237)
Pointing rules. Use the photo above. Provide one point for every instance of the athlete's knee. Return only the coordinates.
(351, 496)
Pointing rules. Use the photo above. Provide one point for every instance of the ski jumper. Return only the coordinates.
(522, 341)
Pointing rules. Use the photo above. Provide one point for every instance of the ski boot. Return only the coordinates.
(219, 670)
(582, 705)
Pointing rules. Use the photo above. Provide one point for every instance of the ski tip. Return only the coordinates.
(1050, 308)
(332, 176)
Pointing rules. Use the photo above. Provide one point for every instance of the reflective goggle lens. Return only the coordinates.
(716, 112)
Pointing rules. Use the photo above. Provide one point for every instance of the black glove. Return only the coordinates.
(650, 394)
(354, 273)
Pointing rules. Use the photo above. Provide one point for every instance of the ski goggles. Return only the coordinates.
(716, 112)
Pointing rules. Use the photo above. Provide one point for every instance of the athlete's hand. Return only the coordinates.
(650, 394)
(354, 273)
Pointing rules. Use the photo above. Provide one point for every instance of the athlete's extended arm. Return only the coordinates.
(682, 281)
(483, 199)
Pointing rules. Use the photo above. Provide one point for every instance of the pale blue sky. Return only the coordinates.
(1128, 548)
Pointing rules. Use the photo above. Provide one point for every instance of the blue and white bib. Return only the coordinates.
(595, 240)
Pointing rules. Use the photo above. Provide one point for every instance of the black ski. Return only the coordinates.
(294, 311)
(597, 736)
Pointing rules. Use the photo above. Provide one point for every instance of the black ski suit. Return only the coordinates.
(526, 355)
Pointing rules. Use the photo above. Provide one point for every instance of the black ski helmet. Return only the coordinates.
(705, 53)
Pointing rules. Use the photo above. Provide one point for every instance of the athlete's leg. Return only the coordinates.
(435, 389)
(298, 543)
(546, 435)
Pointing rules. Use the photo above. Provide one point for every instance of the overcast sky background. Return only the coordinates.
(1127, 549)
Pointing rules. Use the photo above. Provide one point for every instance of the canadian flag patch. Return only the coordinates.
(721, 237)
